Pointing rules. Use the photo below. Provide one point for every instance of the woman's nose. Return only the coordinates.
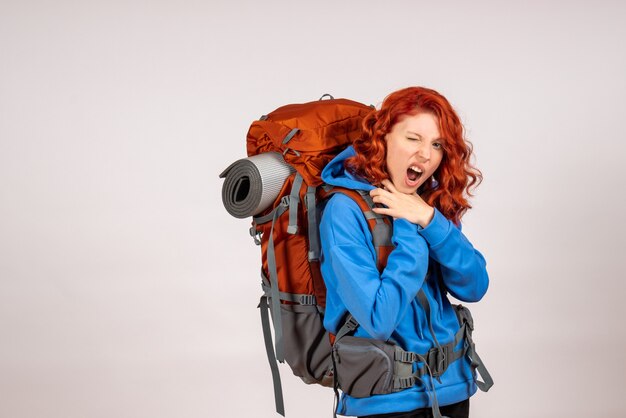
(424, 151)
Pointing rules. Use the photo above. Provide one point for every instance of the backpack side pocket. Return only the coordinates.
(307, 344)
(364, 367)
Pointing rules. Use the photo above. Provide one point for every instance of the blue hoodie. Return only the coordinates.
(385, 304)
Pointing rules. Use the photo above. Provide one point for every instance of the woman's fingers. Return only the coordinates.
(401, 205)
(389, 185)
(385, 195)
(379, 192)
(387, 189)
(384, 211)
(381, 197)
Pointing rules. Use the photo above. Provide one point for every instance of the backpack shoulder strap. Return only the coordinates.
(380, 226)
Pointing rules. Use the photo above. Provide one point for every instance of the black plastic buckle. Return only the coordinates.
(404, 356)
(307, 300)
(437, 359)
(406, 382)
(352, 323)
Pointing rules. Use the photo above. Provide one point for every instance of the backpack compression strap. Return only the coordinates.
(271, 293)
(274, 293)
(465, 318)
(274, 298)
(290, 203)
(271, 357)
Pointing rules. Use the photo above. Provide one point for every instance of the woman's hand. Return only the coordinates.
(400, 205)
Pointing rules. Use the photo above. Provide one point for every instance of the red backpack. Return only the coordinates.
(308, 136)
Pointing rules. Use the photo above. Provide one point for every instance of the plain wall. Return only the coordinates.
(126, 289)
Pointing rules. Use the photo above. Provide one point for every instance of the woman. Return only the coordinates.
(415, 163)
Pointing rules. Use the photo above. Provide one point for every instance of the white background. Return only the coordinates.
(126, 289)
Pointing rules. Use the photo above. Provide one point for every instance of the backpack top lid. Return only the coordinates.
(309, 134)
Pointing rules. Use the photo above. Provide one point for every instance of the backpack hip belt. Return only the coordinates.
(364, 367)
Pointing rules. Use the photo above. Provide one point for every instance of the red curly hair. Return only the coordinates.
(456, 175)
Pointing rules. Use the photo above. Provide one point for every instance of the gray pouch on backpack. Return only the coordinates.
(307, 344)
(363, 366)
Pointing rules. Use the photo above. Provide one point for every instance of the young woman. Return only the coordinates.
(415, 162)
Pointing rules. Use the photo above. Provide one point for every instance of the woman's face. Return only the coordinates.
(414, 151)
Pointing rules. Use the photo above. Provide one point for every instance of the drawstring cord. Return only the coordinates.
(434, 402)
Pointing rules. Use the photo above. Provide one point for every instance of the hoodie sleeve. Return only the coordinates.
(463, 268)
(378, 301)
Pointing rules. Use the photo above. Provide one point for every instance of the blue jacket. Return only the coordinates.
(385, 304)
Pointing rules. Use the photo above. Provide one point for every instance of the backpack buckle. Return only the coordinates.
(307, 300)
(352, 323)
(256, 235)
(437, 359)
(465, 316)
(404, 356)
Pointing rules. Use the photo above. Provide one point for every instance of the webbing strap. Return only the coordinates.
(430, 389)
(479, 366)
(274, 295)
(368, 199)
(290, 135)
(259, 220)
(436, 361)
(299, 298)
(443, 355)
(288, 138)
(431, 360)
(265, 283)
(381, 234)
(435, 403)
(423, 300)
(366, 195)
(314, 239)
(294, 199)
(465, 318)
(271, 358)
(350, 325)
(371, 215)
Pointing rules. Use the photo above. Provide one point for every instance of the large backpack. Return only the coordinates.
(308, 136)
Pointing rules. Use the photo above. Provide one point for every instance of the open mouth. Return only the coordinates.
(413, 174)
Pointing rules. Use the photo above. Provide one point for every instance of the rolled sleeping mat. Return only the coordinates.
(252, 184)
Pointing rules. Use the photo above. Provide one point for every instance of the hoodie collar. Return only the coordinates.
(335, 173)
